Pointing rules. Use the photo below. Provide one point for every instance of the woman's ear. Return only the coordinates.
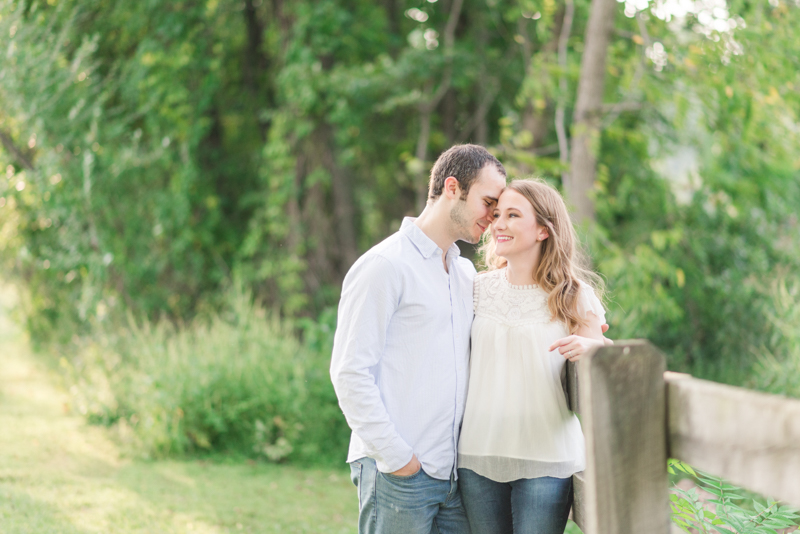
(543, 234)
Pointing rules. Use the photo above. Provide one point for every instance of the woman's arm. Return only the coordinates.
(588, 336)
(592, 328)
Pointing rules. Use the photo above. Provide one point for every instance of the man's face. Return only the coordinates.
(471, 216)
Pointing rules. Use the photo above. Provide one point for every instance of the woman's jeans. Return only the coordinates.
(416, 504)
(526, 506)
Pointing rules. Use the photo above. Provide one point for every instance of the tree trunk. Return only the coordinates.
(343, 204)
(319, 239)
(256, 63)
(421, 156)
(482, 127)
(586, 124)
(449, 116)
(535, 120)
(294, 239)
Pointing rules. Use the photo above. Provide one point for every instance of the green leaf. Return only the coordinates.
(712, 481)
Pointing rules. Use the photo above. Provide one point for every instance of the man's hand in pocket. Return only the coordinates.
(410, 468)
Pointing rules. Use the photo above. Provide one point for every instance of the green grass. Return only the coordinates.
(61, 475)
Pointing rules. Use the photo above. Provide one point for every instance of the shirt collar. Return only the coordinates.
(426, 246)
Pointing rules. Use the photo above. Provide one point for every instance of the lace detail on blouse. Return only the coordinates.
(496, 298)
(513, 305)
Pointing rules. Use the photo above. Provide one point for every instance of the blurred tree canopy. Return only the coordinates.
(154, 150)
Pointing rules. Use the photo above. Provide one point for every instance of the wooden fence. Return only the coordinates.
(635, 415)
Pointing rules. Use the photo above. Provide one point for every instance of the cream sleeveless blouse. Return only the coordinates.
(517, 423)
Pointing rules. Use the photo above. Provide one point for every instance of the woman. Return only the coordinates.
(534, 309)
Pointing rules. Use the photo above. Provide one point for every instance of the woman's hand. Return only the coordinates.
(588, 336)
(573, 347)
(607, 342)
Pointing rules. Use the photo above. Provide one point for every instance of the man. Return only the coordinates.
(401, 351)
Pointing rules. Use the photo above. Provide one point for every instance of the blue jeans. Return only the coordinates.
(416, 504)
(526, 506)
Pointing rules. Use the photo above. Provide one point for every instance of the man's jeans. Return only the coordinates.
(416, 504)
(526, 506)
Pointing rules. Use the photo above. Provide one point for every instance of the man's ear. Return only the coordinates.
(451, 189)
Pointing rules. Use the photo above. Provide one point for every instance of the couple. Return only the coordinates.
(410, 364)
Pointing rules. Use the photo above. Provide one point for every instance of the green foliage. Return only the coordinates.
(777, 368)
(697, 194)
(237, 380)
(690, 512)
(152, 149)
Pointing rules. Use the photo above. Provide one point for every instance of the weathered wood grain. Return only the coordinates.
(623, 410)
(579, 493)
(573, 399)
(751, 439)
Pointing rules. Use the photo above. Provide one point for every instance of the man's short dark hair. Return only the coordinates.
(464, 163)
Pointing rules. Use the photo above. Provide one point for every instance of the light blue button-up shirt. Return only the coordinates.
(401, 352)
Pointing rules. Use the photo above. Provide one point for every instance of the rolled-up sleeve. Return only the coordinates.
(370, 296)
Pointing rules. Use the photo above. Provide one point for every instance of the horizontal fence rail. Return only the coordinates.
(635, 415)
(747, 437)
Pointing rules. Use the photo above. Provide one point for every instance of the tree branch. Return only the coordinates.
(426, 108)
(449, 42)
(18, 155)
(452, 22)
(480, 113)
(621, 106)
(561, 133)
(614, 110)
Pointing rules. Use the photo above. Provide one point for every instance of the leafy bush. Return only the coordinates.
(236, 380)
(690, 512)
(778, 366)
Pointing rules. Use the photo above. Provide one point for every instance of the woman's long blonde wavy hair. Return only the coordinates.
(561, 265)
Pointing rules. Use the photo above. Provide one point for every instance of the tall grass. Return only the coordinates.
(236, 380)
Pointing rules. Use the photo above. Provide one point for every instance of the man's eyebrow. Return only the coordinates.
(493, 199)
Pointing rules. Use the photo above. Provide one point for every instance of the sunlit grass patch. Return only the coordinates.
(60, 475)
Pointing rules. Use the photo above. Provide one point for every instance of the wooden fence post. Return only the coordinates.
(623, 411)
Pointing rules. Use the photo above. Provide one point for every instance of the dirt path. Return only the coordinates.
(59, 475)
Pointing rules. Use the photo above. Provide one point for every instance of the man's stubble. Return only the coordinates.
(460, 222)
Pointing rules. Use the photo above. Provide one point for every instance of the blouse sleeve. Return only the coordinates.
(588, 302)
